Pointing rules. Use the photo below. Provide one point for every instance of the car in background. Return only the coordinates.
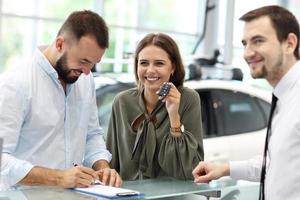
(234, 115)
(234, 118)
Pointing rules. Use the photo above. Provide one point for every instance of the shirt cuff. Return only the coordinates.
(238, 169)
(15, 173)
(247, 170)
(100, 156)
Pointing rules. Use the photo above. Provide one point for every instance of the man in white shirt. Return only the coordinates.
(48, 113)
(271, 49)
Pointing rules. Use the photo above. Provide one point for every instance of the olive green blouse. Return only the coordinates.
(141, 143)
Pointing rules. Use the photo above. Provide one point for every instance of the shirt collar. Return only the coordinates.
(46, 66)
(44, 63)
(288, 81)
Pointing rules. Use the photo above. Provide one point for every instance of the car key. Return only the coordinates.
(164, 90)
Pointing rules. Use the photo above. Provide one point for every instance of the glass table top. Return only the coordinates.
(160, 188)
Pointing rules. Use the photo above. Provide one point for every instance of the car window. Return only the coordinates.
(265, 106)
(207, 114)
(227, 112)
(105, 96)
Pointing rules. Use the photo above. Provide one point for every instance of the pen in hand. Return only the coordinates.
(96, 181)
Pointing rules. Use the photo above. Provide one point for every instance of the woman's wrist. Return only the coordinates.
(175, 121)
(177, 131)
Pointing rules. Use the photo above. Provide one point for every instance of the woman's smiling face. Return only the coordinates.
(154, 68)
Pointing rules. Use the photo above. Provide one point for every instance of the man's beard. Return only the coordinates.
(64, 73)
(274, 71)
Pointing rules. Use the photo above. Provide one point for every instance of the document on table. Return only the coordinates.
(108, 191)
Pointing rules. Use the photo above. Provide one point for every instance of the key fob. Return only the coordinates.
(164, 90)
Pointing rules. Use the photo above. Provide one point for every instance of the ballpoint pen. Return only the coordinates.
(96, 181)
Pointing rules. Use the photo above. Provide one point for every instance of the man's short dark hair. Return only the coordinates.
(283, 21)
(82, 23)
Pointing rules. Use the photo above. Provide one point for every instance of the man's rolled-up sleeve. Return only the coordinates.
(13, 103)
(13, 170)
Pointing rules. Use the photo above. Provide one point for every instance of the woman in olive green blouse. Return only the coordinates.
(149, 136)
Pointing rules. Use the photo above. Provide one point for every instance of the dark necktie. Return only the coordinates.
(263, 169)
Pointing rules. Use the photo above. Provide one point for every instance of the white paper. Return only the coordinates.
(107, 191)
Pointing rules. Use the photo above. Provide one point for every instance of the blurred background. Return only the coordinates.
(208, 33)
(198, 26)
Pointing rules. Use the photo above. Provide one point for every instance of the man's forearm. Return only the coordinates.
(42, 176)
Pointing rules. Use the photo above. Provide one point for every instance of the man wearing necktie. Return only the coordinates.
(271, 49)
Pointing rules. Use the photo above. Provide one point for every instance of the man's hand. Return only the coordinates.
(205, 172)
(110, 177)
(78, 176)
(107, 175)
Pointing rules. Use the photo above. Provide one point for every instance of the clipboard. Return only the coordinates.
(109, 192)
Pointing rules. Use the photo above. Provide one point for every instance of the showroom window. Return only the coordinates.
(26, 24)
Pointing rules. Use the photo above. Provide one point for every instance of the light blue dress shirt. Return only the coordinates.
(44, 126)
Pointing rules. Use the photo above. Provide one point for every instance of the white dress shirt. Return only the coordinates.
(283, 161)
(44, 126)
